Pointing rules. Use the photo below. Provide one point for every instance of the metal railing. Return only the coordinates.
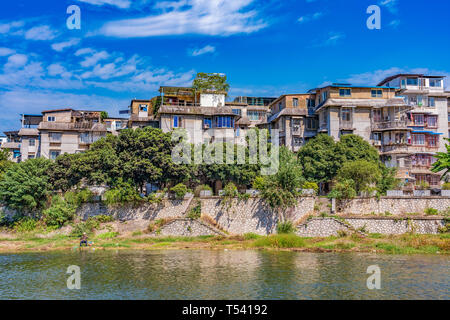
(387, 125)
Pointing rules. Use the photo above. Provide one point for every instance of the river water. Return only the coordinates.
(220, 274)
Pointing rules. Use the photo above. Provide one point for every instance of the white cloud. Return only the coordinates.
(200, 51)
(207, 17)
(8, 27)
(16, 61)
(332, 39)
(4, 52)
(374, 77)
(310, 17)
(122, 4)
(391, 5)
(93, 58)
(60, 46)
(394, 23)
(84, 51)
(40, 33)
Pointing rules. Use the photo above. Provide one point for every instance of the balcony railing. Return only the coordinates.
(390, 125)
(346, 125)
(178, 104)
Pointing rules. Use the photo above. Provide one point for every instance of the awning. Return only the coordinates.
(427, 132)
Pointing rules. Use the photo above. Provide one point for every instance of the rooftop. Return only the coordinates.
(388, 79)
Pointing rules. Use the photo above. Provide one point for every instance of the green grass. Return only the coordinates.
(107, 235)
(280, 241)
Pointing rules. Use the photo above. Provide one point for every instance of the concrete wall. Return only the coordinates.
(187, 228)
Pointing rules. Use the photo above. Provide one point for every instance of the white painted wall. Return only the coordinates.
(212, 100)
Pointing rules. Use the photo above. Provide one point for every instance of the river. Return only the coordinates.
(220, 274)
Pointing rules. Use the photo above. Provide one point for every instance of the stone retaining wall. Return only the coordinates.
(252, 215)
(322, 227)
(385, 225)
(187, 228)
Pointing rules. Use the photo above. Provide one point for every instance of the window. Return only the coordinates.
(32, 143)
(435, 82)
(31, 156)
(207, 123)
(295, 102)
(432, 141)
(54, 154)
(54, 136)
(403, 83)
(377, 117)
(418, 139)
(237, 111)
(253, 115)
(432, 102)
(51, 119)
(224, 122)
(311, 124)
(346, 115)
(419, 120)
(238, 132)
(143, 108)
(412, 81)
(176, 121)
(298, 141)
(311, 103)
(85, 137)
(280, 106)
(419, 101)
(377, 136)
(377, 93)
(345, 92)
(324, 95)
(431, 121)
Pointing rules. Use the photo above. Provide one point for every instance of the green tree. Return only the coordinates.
(25, 185)
(352, 147)
(318, 159)
(443, 161)
(362, 172)
(210, 82)
(4, 161)
(388, 180)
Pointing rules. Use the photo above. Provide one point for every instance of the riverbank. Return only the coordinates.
(373, 243)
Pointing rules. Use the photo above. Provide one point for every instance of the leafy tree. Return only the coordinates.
(388, 180)
(362, 172)
(210, 82)
(318, 159)
(443, 161)
(104, 115)
(59, 212)
(352, 147)
(25, 185)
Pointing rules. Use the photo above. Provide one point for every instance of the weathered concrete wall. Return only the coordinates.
(251, 215)
(187, 228)
(395, 205)
(385, 225)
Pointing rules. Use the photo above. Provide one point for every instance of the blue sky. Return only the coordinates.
(126, 49)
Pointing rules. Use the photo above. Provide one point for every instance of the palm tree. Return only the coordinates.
(443, 162)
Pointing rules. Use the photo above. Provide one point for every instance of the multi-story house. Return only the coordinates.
(293, 115)
(69, 131)
(142, 113)
(255, 101)
(427, 123)
(205, 116)
(29, 136)
(3, 139)
(114, 125)
(12, 144)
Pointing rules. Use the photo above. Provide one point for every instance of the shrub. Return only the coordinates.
(125, 193)
(446, 186)
(25, 224)
(103, 218)
(259, 183)
(87, 226)
(59, 212)
(280, 241)
(251, 236)
(203, 187)
(311, 185)
(196, 211)
(76, 198)
(180, 190)
(431, 212)
(244, 196)
(230, 190)
(341, 233)
(108, 235)
(423, 185)
(285, 227)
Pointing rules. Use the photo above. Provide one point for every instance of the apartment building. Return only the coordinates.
(205, 116)
(69, 131)
(142, 113)
(427, 123)
(293, 115)
(3, 139)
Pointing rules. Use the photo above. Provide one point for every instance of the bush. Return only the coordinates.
(251, 236)
(280, 241)
(59, 212)
(259, 183)
(88, 226)
(203, 187)
(343, 190)
(25, 224)
(125, 193)
(446, 186)
(103, 218)
(285, 227)
(77, 198)
(431, 212)
(180, 190)
(196, 211)
(311, 185)
(230, 190)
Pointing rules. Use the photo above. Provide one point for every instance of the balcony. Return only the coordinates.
(390, 125)
(407, 149)
(346, 125)
(323, 127)
(296, 130)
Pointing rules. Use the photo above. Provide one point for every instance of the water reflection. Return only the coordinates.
(217, 274)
